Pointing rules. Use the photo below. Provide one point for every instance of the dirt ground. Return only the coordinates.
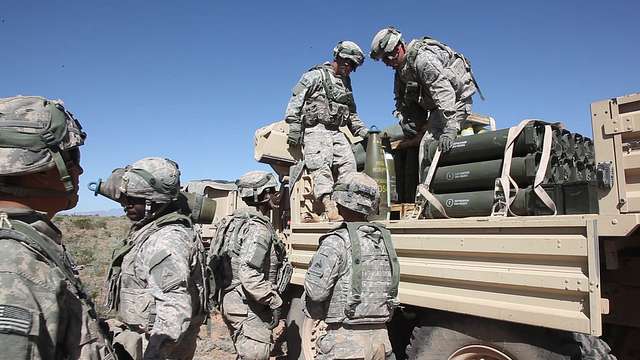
(91, 240)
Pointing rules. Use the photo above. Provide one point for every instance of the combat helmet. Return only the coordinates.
(384, 42)
(252, 184)
(358, 192)
(154, 179)
(37, 135)
(349, 50)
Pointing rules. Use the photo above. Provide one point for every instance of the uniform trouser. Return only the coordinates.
(368, 342)
(130, 344)
(325, 150)
(248, 324)
(436, 123)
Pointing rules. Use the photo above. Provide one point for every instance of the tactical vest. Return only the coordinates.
(368, 292)
(457, 69)
(224, 257)
(331, 108)
(59, 261)
(128, 292)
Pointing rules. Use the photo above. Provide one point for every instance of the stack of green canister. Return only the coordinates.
(465, 177)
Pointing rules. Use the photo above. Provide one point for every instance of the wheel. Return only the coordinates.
(449, 336)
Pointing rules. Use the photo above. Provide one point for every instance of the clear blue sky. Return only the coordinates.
(192, 80)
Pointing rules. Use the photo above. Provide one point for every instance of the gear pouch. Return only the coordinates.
(412, 92)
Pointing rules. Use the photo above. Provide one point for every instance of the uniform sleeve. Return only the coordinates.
(431, 75)
(167, 254)
(325, 268)
(256, 248)
(356, 126)
(397, 94)
(301, 91)
(40, 317)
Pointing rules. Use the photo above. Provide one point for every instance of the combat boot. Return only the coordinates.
(331, 209)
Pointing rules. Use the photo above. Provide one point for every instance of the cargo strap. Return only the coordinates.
(504, 182)
(427, 196)
(356, 265)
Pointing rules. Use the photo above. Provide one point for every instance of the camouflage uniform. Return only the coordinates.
(433, 88)
(352, 280)
(44, 313)
(155, 280)
(321, 115)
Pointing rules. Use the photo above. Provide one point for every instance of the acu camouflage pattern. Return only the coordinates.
(43, 315)
(249, 279)
(349, 50)
(356, 326)
(321, 115)
(33, 115)
(157, 289)
(358, 192)
(153, 178)
(254, 183)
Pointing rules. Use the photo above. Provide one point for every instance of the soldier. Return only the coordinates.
(44, 312)
(321, 103)
(433, 86)
(253, 268)
(352, 280)
(156, 279)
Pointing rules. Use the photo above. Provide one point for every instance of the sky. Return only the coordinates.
(192, 80)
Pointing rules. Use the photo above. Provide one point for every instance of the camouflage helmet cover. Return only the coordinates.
(349, 50)
(384, 42)
(34, 132)
(358, 192)
(153, 178)
(254, 183)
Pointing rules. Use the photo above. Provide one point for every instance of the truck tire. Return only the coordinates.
(442, 336)
(592, 348)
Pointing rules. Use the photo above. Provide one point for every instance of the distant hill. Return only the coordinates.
(109, 212)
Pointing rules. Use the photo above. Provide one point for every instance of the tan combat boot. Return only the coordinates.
(331, 209)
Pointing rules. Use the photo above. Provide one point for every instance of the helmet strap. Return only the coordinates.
(62, 169)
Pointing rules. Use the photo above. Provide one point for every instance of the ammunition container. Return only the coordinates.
(527, 203)
(109, 188)
(463, 204)
(375, 166)
(580, 198)
(487, 146)
(482, 175)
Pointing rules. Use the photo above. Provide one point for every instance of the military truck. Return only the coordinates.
(494, 287)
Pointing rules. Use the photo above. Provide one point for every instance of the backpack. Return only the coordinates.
(226, 244)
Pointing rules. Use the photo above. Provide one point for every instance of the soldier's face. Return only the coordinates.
(134, 208)
(395, 58)
(345, 67)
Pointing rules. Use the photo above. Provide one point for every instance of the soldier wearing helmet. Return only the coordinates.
(252, 259)
(44, 311)
(352, 280)
(321, 103)
(155, 279)
(433, 86)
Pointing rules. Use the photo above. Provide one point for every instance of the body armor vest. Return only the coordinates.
(128, 292)
(457, 70)
(367, 292)
(228, 244)
(333, 105)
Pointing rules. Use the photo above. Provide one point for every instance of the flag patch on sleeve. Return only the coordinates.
(14, 319)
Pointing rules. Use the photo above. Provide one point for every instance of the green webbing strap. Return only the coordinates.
(27, 235)
(393, 259)
(356, 266)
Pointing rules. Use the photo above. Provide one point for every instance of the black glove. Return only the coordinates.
(445, 142)
(408, 127)
(295, 134)
(275, 317)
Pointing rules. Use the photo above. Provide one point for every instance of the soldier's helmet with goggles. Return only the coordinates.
(155, 179)
(38, 134)
(358, 192)
(384, 42)
(349, 50)
(252, 184)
